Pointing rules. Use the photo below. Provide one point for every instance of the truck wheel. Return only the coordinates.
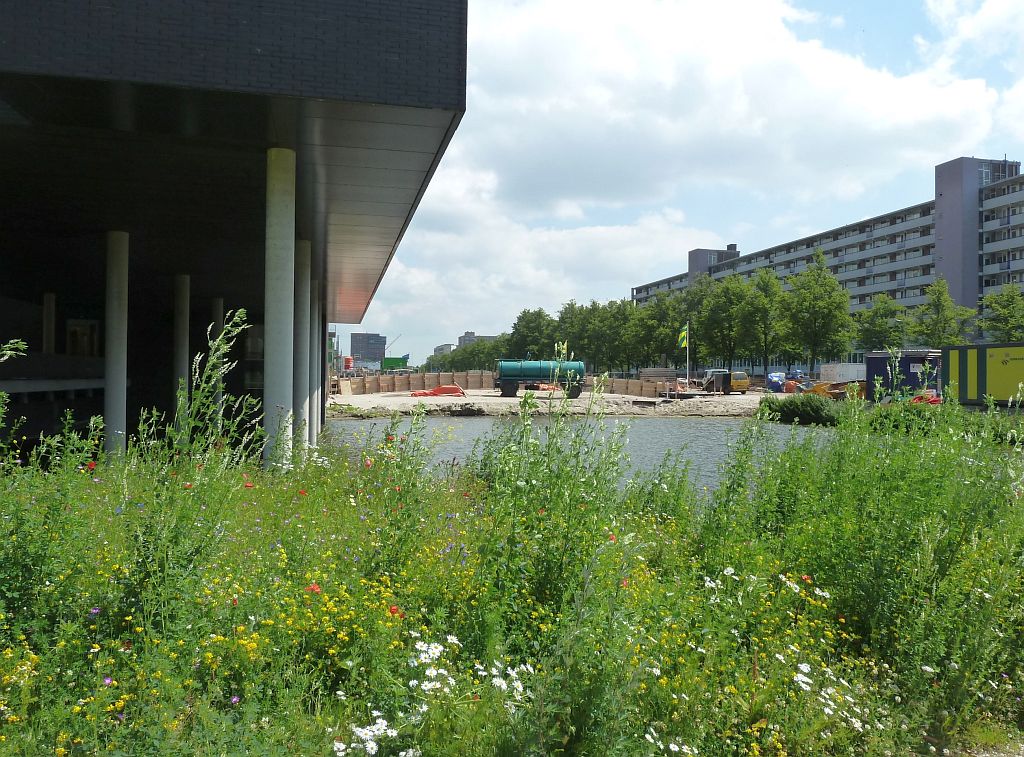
(509, 388)
(744, 391)
(575, 391)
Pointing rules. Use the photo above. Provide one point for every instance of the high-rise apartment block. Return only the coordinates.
(971, 234)
(470, 336)
(368, 348)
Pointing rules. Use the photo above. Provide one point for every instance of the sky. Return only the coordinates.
(603, 140)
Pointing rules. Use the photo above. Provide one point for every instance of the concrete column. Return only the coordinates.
(321, 370)
(301, 394)
(115, 346)
(182, 290)
(217, 319)
(217, 316)
(49, 323)
(314, 363)
(279, 300)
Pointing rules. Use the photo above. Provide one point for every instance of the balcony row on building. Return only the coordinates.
(971, 234)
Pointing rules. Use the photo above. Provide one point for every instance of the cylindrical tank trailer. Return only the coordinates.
(569, 374)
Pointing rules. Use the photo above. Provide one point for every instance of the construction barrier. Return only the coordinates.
(481, 380)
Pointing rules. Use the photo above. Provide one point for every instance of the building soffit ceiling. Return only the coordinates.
(89, 156)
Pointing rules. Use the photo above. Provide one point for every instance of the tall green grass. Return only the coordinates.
(856, 591)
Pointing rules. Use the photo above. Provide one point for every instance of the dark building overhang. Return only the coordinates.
(154, 117)
(184, 172)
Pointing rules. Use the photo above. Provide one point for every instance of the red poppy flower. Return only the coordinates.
(234, 601)
(91, 465)
(188, 485)
(249, 484)
(611, 538)
(806, 578)
(541, 511)
(313, 588)
(394, 610)
(368, 463)
(302, 492)
(398, 488)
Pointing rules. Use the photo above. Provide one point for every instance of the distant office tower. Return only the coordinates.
(368, 348)
(469, 337)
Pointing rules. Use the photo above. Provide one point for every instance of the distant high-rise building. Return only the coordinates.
(971, 234)
(368, 348)
(443, 349)
(469, 337)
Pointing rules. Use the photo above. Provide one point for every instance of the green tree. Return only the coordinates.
(723, 331)
(533, 335)
(437, 363)
(615, 317)
(818, 312)
(1002, 317)
(638, 342)
(572, 328)
(596, 336)
(881, 326)
(939, 321)
(762, 316)
(657, 325)
(692, 301)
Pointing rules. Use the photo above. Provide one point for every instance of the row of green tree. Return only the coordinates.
(732, 318)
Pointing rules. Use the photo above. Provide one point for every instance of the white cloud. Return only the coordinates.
(978, 30)
(602, 105)
(1011, 112)
(594, 128)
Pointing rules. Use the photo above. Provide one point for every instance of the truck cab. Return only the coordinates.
(726, 381)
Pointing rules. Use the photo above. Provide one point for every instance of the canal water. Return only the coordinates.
(703, 442)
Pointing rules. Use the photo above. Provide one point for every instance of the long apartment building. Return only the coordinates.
(971, 233)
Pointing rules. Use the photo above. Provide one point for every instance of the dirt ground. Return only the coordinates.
(489, 402)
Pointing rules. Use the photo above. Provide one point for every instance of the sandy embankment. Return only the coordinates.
(489, 402)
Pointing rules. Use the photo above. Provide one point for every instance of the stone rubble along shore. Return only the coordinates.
(487, 402)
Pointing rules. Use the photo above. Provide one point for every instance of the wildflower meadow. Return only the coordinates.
(857, 590)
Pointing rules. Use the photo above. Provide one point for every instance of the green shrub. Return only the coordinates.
(802, 409)
(854, 591)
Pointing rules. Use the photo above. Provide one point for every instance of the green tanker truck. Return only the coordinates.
(569, 374)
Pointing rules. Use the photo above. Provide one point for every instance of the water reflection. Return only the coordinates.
(704, 442)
